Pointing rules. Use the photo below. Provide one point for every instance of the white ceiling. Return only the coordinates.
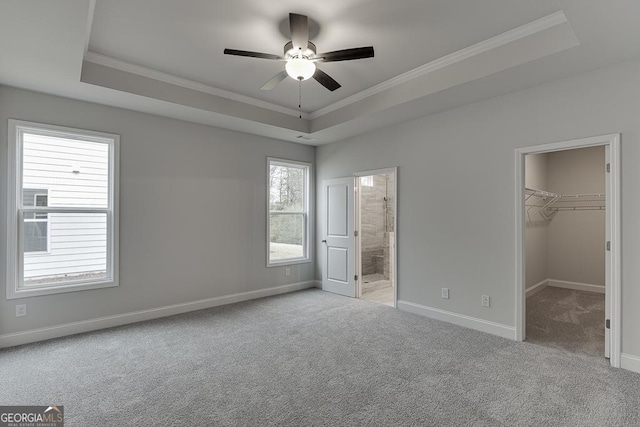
(165, 57)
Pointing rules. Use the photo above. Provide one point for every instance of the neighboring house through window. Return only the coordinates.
(288, 212)
(36, 224)
(63, 218)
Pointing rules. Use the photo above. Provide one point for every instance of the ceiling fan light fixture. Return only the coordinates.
(300, 68)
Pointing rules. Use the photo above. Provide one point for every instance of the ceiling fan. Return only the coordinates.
(301, 57)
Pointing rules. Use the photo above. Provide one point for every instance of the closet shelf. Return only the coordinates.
(548, 204)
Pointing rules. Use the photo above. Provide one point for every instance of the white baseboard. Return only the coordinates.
(532, 290)
(576, 286)
(499, 329)
(40, 334)
(318, 284)
(630, 363)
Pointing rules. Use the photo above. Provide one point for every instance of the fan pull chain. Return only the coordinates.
(300, 97)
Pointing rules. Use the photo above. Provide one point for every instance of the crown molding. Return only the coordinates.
(537, 26)
(534, 27)
(118, 64)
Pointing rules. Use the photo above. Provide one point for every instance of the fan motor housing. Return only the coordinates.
(290, 52)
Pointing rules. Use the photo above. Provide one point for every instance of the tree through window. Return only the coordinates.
(288, 211)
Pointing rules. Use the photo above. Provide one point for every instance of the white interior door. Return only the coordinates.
(338, 273)
(607, 262)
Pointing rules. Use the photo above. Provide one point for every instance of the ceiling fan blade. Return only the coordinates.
(347, 54)
(299, 26)
(275, 80)
(326, 80)
(253, 54)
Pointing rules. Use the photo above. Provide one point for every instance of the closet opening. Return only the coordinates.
(568, 247)
(375, 240)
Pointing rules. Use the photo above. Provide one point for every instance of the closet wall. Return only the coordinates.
(577, 238)
(569, 247)
(536, 230)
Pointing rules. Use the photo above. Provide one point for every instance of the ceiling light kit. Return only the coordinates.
(300, 57)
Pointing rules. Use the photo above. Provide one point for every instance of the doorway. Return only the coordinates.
(568, 286)
(346, 257)
(375, 244)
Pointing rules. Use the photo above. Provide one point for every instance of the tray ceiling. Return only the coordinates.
(165, 57)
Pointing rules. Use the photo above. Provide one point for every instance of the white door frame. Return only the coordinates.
(613, 228)
(390, 171)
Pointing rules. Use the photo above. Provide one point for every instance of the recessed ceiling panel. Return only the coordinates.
(187, 38)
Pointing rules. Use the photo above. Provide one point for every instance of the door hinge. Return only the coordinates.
(355, 233)
(608, 324)
(609, 245)
(355, 277)
(608, 167)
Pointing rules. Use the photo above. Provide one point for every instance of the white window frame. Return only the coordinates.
(15, 256)
(36, 219)
(366, 181)
(305, 211)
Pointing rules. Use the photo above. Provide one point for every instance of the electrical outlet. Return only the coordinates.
(287, 271)
(445, 293)
(486, 300)
(21, 310)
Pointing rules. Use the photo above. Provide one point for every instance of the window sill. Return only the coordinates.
(288, 262)
(59, 289)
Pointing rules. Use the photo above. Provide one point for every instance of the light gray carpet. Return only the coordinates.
(313, 358)
(567, 319)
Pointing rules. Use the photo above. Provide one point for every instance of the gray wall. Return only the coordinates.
(456, 196)
(192, 211)
(576, 247)
(536, 228)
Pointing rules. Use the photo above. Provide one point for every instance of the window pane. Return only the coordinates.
(35, 197)
(77, 250)
(75, 172)
(287, 236)
(35, 236)
(286, 184)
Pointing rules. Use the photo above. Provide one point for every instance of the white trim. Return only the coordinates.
(534, 289)
(565, 284)
(613, 193)
(139, 70)
(14, 274)
(40, 334)
(307, 167)
(482, 325)
(629, 362)
(539, 25)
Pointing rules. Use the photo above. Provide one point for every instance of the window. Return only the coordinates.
(288, 218)
(366, 181)
(62, 215)
(36, 224)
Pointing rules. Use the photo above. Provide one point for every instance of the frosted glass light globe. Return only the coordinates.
(300, 68)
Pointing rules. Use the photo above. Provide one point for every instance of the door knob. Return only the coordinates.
(324, 241)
